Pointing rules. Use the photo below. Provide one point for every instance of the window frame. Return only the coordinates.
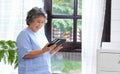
(107, 23)
(68, 46)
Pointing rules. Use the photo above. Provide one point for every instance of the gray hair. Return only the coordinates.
(35, 12)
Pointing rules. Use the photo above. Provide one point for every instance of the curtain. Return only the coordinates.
(93, 13)
(12, 16)
(9, 23)
(12, 21)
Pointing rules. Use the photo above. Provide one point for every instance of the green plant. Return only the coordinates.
(8, 52)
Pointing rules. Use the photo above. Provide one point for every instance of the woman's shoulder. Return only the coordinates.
(24, 32)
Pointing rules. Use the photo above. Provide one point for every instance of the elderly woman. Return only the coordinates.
(33, 51)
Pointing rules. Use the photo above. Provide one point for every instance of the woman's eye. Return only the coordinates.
(41, 22)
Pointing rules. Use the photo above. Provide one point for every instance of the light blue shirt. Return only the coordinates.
(27, 41)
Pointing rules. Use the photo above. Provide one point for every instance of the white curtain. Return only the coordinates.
(12, 21)
(12, 16)
(93, 13)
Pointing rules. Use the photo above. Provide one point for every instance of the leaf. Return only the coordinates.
(4, 58)
(1, 54)
(11, 43)
(16, 62)
(11, 56)
(3, 44)
(16, 65)
(8, 52)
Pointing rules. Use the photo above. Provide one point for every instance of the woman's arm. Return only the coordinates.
(35, 53)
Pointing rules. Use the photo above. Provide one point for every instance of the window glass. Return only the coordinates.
(62, 7)
(79, 26)
(66, 63)
(62, 28)
(79, 7)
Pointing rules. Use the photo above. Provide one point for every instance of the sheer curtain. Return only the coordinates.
(12, 16)
(92, 26)
(12, 21)
(9, 23)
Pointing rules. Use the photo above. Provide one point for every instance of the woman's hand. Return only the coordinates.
(46, 48)
(55, 50)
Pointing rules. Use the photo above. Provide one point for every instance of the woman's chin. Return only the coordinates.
(35, 30)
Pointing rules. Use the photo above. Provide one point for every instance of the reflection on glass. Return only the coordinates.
(79, 7)
(79, 26)
(62, 28)
(62, 7)
(66, 63)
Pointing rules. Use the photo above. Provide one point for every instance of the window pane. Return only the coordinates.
(79, 26)
(79, 7)
(66, 63)
(62, 28)
(62, 7)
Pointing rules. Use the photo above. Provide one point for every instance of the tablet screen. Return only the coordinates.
(57, 42)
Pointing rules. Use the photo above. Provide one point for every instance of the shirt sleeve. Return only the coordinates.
(23, 44)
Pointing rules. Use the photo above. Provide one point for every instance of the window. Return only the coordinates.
(64, 21)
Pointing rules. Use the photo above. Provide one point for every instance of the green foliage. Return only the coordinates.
(62, 9)
(8, 52)
(65, 7)
(63, 24)
(71, 65)
(65, 65)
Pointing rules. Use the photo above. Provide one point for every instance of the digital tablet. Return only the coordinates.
(57, 42)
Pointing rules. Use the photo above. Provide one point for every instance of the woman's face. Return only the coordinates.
(37, 23)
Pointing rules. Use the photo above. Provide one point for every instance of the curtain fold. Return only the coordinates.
(93, 13)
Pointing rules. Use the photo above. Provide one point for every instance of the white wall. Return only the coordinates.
(115, 21)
